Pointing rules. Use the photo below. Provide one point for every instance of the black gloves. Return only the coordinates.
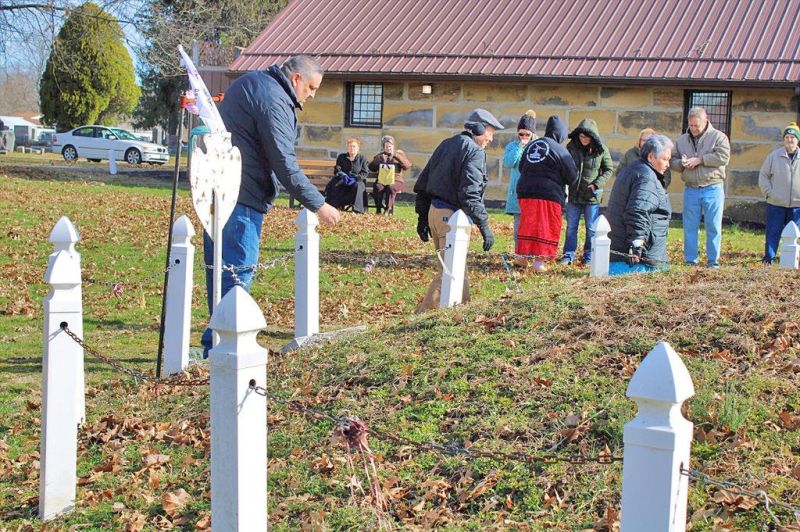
(423, 229)
(488, 236)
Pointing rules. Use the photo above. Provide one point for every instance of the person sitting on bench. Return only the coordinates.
(387, 167)
(347, 188)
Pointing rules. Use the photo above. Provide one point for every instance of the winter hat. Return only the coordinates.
(387, 138)
(528, 121)
(482, 116)
(792, 129)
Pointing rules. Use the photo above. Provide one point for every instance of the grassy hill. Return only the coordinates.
(536, 365)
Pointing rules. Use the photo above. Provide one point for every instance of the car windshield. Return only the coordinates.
(124, 134)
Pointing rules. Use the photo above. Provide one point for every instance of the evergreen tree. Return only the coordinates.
(89, 77)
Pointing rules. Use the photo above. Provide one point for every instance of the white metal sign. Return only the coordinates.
(215, 174)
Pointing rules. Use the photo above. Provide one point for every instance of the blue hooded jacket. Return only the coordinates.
(259, 111)
(546, 166)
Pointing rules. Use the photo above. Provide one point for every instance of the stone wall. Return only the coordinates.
(420, 121)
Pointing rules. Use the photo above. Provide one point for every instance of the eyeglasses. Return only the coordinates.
(524, 135)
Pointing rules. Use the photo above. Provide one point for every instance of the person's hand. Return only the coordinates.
(693, 162)
(488, 236)
(328, 214)
(635, 252)
(423, 229)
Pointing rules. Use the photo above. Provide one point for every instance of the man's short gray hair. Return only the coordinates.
(656, 144)
(304, 65)
(696, 112)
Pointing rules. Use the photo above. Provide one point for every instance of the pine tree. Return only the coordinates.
(89, 77)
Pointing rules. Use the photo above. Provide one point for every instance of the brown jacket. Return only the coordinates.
(713, 147)
(399, 160)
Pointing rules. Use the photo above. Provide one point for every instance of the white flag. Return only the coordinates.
(206, 108)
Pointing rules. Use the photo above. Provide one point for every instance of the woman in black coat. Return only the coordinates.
(347, 188)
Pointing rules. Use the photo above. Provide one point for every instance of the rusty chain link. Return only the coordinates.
(446, 449)
(759, 495)
(127, 371)
(118, 287)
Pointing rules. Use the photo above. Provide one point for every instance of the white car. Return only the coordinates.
(94, 143)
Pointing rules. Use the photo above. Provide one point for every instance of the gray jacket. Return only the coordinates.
(713, 147)
(639, 209)
(779, 179)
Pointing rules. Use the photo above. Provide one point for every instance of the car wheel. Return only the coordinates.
(70, 153)
(94, 160)
(133, 156)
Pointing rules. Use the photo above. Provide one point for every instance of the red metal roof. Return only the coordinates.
(752, 42)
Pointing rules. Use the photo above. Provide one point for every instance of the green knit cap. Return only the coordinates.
(792, 129)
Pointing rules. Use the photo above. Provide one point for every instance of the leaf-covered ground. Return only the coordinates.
(534, 365)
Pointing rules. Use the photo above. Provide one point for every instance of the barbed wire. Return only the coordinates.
(128, 371)
(759, 495)
(444, 449)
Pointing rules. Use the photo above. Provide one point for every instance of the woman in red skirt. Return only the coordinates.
(546, 168)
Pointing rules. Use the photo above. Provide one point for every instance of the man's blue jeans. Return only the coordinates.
(240, 241)
(590, 213)
(777, 218)
(706, 203)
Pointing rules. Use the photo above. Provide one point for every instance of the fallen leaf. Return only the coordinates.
(172, 502)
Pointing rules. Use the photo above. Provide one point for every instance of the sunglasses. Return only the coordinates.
(524, 135)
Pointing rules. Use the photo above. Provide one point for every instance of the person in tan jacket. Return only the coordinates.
(701, 155)
(779, 180)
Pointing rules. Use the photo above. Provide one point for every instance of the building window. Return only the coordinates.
(717, 105)
(364, 106)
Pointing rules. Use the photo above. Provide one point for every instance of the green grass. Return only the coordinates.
(509, 372)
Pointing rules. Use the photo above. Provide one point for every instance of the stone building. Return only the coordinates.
(418, 77)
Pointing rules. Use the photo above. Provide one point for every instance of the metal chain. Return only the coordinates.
(448, 449)
(127, 371)
(759, 495)
(643, 260)
(118, 287)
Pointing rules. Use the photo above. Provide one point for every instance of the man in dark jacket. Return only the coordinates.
(453, 179)
(259, 111)
(594, 164)
(639, 211)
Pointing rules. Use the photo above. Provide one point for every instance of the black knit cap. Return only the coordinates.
(528, 121)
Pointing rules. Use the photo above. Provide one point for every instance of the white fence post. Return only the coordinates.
(64, 236)
(60, 387)
(601, 248)
(790, 251)
(455, 260)
(179, 298)
(657, 444)
(306, 276)
(238, 416)
(112, 162)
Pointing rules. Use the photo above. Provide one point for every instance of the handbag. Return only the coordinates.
(386, 175)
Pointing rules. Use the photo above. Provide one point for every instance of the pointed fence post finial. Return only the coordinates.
(64, 236)
(790, 251)
(455, 260)
(238, 432)
(601, 248)
(657, 444)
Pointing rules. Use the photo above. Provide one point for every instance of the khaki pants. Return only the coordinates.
(437, 219)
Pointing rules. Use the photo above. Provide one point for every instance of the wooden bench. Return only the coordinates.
(319, 172)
